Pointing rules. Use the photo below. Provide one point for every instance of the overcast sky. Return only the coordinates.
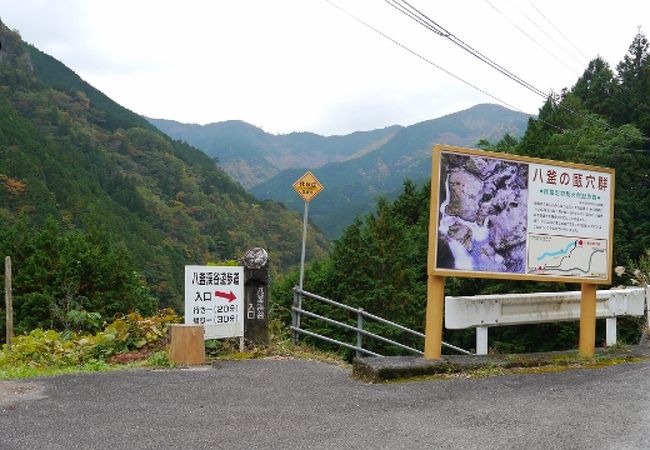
(304, 65)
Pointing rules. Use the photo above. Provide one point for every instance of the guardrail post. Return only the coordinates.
(481, 340)
(646, 309)
(294, 318)
(359, 333)
(610, 331)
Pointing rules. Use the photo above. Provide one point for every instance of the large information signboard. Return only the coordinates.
(496, 215)
(214, 298)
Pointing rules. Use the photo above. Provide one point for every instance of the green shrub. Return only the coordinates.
(50, 348)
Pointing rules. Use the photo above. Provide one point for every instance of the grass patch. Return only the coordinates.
(514, 366)
(157, 360)
(282, 349)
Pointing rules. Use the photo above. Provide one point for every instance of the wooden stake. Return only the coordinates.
(9, 309)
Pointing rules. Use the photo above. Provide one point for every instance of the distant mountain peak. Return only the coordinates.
(252, 156)
(351, 186)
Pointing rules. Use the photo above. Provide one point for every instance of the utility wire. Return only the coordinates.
(423, 58)
(536, 25)
(473, 86)
(525, 33)
(409, 10)
(558, 30)
(617, 100)
(430, 62)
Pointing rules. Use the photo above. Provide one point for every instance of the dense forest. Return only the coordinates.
(100, 211)
(379, 263)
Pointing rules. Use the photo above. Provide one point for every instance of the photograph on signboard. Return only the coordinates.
(483, 214)
(508, 216)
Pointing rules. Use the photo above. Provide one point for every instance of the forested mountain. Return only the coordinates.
(100, 210)
(351, 187)
(380, 261)
(252, 156)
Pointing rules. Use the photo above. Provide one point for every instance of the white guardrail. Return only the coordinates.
(483, 311)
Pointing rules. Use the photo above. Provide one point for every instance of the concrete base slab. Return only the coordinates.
(379, 369)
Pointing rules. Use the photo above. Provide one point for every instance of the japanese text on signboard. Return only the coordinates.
(214, 298)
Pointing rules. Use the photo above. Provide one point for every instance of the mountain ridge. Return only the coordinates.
(251, 155)
(351, 187)
(355, 168)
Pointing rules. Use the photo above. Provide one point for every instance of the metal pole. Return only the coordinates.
(9, 309)
(587, 342)
(359, 333)
(304, 240)
(298, 300)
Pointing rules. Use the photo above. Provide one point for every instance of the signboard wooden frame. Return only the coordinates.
(602, 239)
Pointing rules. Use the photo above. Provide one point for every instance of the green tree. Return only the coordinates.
(59, 270)
(634, 86)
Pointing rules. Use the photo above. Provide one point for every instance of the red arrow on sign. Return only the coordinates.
(227, 295)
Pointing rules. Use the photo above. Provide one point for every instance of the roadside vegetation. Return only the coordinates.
(92, 246)
(131, 340)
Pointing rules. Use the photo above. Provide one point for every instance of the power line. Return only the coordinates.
(409, 10)
(473, 86)
(525, 33)
(559, 32)
(423, 58)
(545, 32)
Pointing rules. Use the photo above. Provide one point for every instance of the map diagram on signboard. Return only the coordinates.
(564, 255)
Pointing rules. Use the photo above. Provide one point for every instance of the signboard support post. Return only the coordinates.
(587, 342)
(433, 326)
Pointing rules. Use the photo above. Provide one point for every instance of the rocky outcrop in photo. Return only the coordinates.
(483, 214)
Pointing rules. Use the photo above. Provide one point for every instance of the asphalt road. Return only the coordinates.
(279, 404)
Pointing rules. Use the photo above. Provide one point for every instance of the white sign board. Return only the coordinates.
(214, 298)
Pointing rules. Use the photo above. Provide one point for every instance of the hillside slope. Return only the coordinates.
(70, 152)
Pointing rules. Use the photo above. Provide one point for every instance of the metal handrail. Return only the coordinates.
(297, 311)
(333, 341)
(358, 330)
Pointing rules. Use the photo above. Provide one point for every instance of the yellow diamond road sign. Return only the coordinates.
(308, 186)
